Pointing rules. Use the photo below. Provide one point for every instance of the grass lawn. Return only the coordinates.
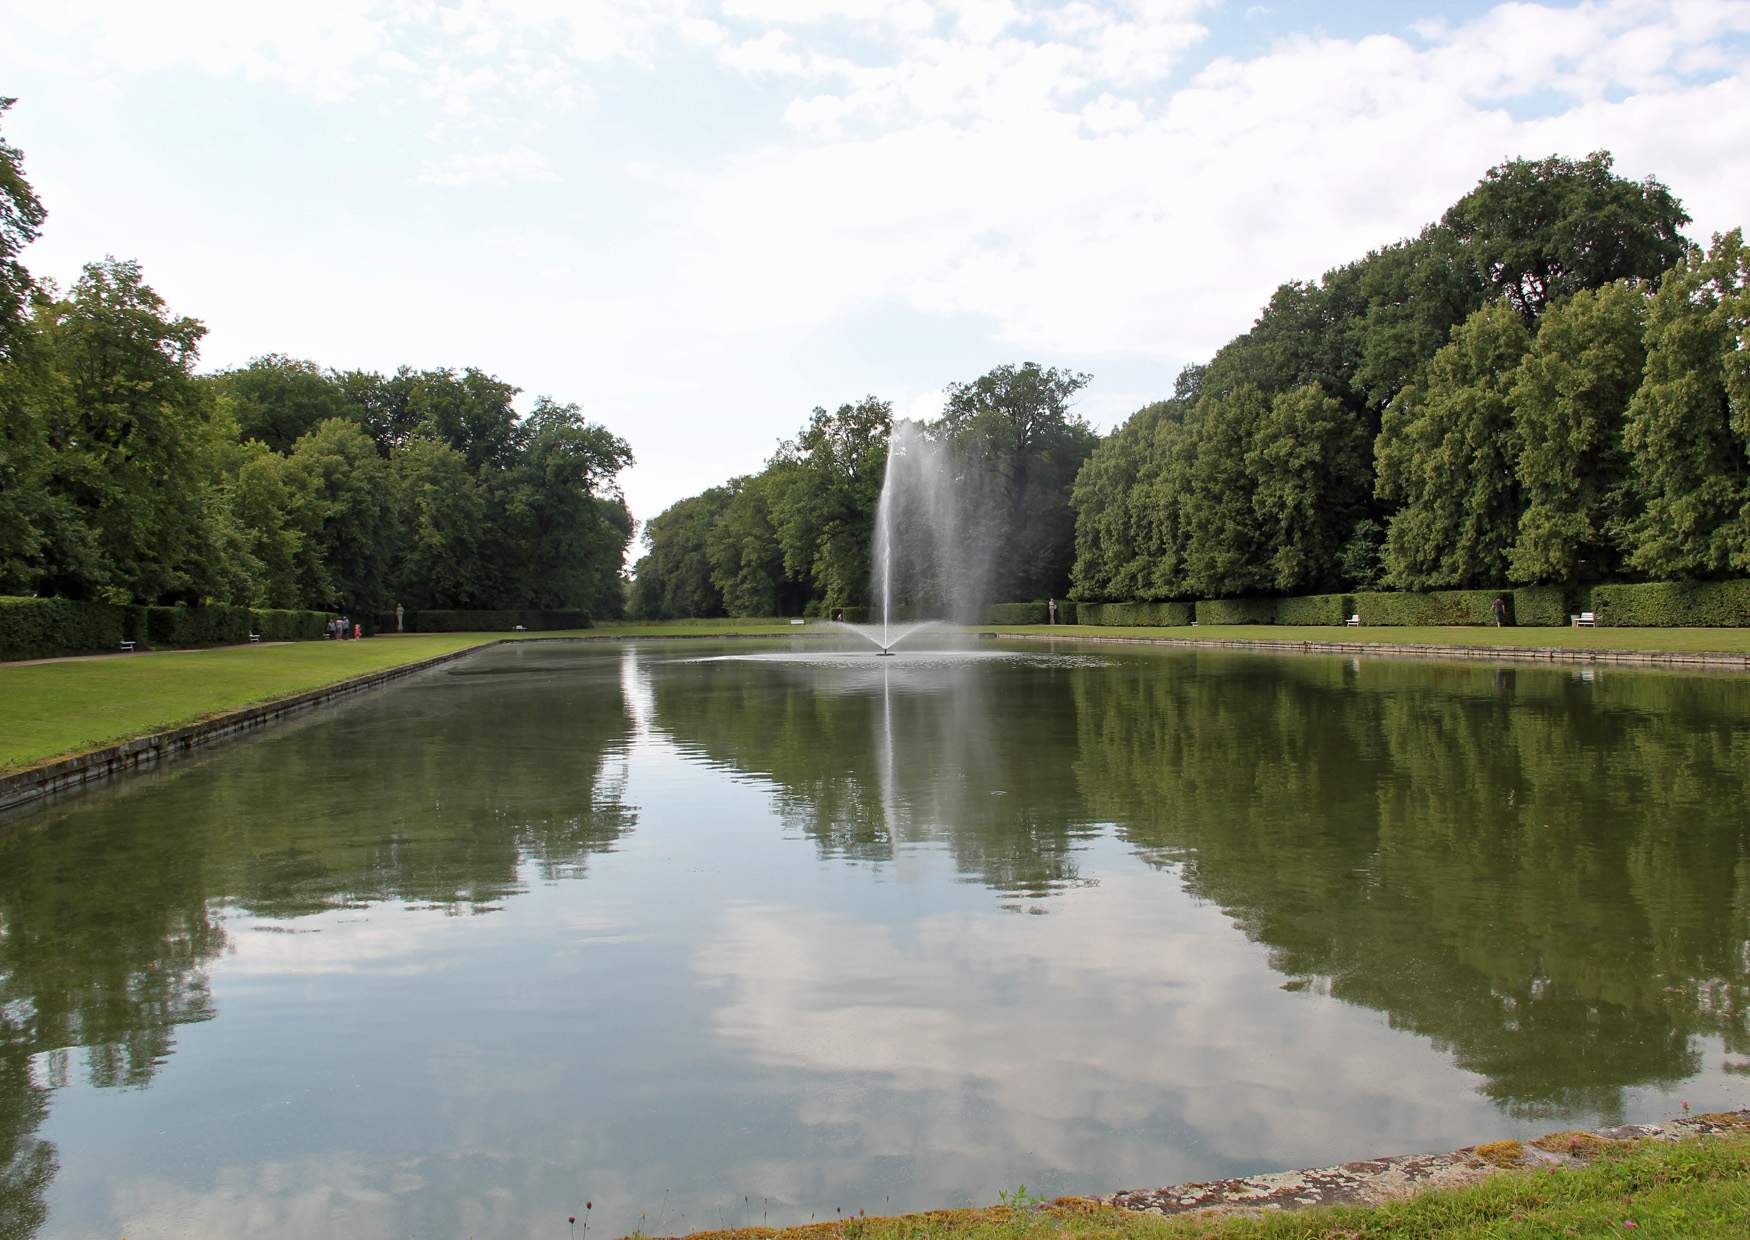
(1729, 641)
(49, 710)
(1694, 1188)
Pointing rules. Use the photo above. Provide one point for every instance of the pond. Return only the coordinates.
(719, 934)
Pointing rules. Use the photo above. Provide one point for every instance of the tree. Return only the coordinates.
(1448, 452)
(1568, 403)
(129, 426)
(1686, 441)
(1226, 544)
(826, 483)
(470, 411)
(747, 564)
(21, 215)
(1312, 465)
(672, 580)
(354, 523)
(1540, 230)
(279, 399)
(443, 518)
(1019, 448)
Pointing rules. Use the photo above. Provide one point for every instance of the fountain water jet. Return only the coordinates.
(916, 549)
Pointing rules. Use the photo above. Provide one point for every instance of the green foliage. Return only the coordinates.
(1448, 453)
(1433, 609)
(1674, 604)
(45, 628)
(1686, 433)
(1311, 466)
(1568, 403)
(1235, 611)
(1018, 448)
(273, 624)
(1030, 613)
(673, 579)
(1540, 230)
(1313, 609)
(1146, 615)
(278, 400)
(21, 216)
(1544, 605)
(197, 626)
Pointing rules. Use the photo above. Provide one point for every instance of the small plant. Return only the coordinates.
(1020, 1199)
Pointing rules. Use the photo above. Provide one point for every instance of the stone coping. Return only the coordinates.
(1491, 654)
(1377, 1180)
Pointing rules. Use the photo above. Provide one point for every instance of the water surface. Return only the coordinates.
(717, 934)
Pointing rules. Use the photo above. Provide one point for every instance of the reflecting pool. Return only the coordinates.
(717, 934)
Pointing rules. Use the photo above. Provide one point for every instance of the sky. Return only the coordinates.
(700, 219)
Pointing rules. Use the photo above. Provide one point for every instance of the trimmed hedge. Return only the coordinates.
(1310, 609)
(1235, 611)
(1015, 613)
(1433, 609)
(196, 626)
(1143, 615)
(485, 621)
(43, 628)
(280, 625)
(1674, 604)
(1539, 606)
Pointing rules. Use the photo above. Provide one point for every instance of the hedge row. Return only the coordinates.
(1436, 608)
(42, 628)
(1235, 611)
(1031, 613)
(1671, 604)
(1544, 606)
(195, 626)
(1164, 615)
(1312, 609)
(280, 625)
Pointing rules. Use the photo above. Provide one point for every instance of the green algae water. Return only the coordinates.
(723, 934)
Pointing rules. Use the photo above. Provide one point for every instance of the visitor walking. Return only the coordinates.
(1499, 607)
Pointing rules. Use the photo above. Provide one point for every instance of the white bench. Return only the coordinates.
(127, 646)
(1354, 621)
(798, 622)
(1585, 620)
(255, 637)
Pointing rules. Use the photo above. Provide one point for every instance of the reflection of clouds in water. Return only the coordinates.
(390, 940)
(1129, 1037)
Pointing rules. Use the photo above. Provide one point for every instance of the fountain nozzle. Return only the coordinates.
(884, 654)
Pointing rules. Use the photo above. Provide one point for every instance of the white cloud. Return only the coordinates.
(516, 165)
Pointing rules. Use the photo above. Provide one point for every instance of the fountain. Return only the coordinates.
(916, 552)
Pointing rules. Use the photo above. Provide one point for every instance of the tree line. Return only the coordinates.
(797, 537)
(1549, 385)
(128, 478)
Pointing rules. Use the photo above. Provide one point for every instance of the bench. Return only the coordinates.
(1354, 621)
(255, 637)
(798, 622)
(1585, 620)
(127, 646)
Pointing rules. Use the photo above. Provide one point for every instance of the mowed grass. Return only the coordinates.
(1723, 641)
(1694, 1188)
(50, 710)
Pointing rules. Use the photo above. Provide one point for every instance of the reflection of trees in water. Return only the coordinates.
(1001, 800)
(1543, 875)
(110, 905)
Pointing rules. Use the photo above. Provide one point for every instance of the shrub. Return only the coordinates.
(1068, 612)
(281, 625)
(1436, 608)
(1146, 615)
(437, 621)
(1315, 609)
(1543, 605)
(1236, 611)
(1015, 613)
(196, 626)
(43, 628)
(1674, 604)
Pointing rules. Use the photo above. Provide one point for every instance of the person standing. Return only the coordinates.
(1499, 607)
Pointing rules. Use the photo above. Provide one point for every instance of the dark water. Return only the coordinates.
(712, 940)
